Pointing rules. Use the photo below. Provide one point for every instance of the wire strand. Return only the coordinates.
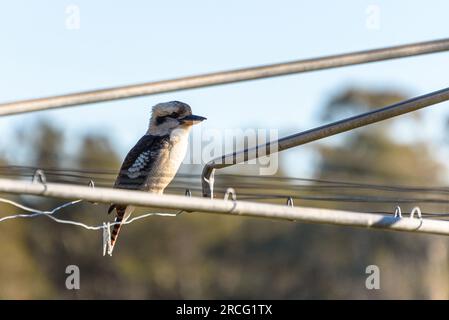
(50, 214)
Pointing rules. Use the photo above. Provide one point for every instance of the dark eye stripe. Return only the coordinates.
(162, 119)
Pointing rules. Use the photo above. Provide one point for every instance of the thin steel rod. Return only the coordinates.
(227, 207)
(225, 77)
(207, 177)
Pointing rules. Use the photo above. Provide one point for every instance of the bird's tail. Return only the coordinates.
(123, 213)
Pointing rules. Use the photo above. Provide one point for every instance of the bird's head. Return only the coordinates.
(168, 116)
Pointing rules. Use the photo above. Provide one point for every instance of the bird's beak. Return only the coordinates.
(191, 119)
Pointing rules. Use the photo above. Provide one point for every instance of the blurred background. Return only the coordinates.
(51, 48)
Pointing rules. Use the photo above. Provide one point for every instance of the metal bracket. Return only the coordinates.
(361, 120)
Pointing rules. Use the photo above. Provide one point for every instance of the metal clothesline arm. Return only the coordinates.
(227, 207)
(224, 77)
(207, 176)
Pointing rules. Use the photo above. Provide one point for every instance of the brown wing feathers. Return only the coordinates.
(134, 173)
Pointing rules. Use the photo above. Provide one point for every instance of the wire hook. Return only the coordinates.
(230, 191)
(39, 176)
(397, 212)
(416, 210)
(92, 185)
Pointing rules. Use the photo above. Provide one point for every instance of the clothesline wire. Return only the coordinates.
(50, 214)
(251, 187)
(6, 170)
(331, 191)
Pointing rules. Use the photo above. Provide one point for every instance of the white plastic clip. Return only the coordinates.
(107, 247)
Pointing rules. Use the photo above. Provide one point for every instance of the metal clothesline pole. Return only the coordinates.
(207, 176)
(227, 207)
(224, 77)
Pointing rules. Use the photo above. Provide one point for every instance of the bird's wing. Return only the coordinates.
(140, 160)
(139, 163)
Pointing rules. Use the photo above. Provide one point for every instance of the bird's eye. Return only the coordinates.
(160, 120)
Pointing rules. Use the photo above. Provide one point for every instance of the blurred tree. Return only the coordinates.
(18, 269)
(96, 152)
(371, 154)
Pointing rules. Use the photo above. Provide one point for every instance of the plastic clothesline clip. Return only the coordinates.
(107, 247)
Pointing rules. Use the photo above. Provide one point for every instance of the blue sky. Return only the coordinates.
(121, 43)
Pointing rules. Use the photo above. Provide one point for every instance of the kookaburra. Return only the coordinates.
(153, 162)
